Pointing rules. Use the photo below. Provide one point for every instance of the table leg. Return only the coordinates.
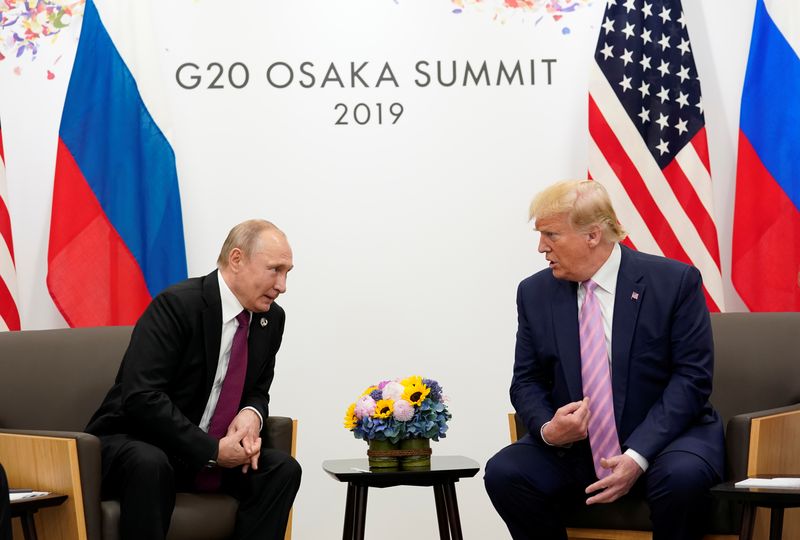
(360, 517)
(28, 526)
(748, 521)
(349, 513)
(441, 512)
(452, 510)
(775, 523)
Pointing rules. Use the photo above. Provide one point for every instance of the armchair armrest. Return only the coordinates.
(280, 432)
(764, 442)
(52, 461)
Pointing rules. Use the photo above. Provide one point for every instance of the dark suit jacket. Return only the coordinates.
(166, 375)
(662, 357)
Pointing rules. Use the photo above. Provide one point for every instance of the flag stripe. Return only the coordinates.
(766, 238)
(9, 310)
(773, 77)
(700, 144)
(118, 293)
(139, 196)
(694, 208)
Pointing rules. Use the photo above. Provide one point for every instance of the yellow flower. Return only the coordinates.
(368, 391)
(415, 390)
(384, 408)
(350, 419)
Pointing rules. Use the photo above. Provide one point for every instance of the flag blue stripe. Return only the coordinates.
(124, 156)
(771, 103)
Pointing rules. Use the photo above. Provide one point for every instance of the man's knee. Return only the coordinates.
(281, 464)
(145, 463)
(680, 476)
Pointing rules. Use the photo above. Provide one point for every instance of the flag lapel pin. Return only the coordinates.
(263, 322)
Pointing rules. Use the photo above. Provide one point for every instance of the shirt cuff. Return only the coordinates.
(541, 434)
(638, 458)
(261, 418)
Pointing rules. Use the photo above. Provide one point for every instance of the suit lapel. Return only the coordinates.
(212, 326)
(257, 345)
(627, 301)
(565, 324)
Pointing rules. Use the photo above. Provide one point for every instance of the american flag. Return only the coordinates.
(648, 139)
(9, 314)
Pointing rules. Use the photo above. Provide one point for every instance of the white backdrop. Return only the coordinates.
(410, 238)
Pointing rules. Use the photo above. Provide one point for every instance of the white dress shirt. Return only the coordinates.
(230, 309)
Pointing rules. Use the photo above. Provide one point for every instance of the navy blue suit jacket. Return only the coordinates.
(662, 357)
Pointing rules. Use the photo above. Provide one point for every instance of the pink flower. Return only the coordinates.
(365, 406)
(403, 410)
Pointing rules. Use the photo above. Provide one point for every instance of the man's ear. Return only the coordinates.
(594, 236)
(235, 259)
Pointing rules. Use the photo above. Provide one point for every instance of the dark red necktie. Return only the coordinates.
(230, 397)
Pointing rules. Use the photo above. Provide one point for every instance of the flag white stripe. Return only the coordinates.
(697, 174)
(8, 273)
(633, 145)
(786, 16)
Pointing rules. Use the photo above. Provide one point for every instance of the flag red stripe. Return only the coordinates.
(634, 185)
(8, 309)
(693, 207)
(5, 226)
(766, 238)
(118, 293)
(700, 143)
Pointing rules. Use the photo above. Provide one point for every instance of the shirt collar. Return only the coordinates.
(230, 305)
(606, 275)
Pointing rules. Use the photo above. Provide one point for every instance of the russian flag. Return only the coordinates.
(116, 233)
(766, 229)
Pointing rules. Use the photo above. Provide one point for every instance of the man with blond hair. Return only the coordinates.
(612, 374)
(192, 394)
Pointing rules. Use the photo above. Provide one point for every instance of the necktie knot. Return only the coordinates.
(243, 318)
(589, 285)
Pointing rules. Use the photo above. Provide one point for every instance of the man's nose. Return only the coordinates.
(280, 283)
(543, 247)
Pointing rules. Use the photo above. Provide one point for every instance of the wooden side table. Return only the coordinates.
(774, 499)
(442, 475)
(27, 507)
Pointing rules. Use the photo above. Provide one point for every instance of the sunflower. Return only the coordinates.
(350, 419)
(384, 408)
(414, 390)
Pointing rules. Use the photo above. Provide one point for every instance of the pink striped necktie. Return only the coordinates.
(597, 381)
(210, 480)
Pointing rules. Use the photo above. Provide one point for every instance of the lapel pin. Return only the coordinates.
(634, 296)
(263, 322)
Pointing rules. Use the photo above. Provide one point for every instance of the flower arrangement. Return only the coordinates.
(411, 408)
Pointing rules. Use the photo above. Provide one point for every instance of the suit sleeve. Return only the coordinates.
(151, 365)
(692, 366)
(531, 385)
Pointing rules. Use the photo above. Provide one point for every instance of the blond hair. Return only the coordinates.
(245, 236)
(586, 204)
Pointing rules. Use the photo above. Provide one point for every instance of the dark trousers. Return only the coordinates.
(145, 480)
(533, 487)
(5, 507)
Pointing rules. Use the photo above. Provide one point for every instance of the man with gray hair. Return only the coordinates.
(612, 373)
(192, 394)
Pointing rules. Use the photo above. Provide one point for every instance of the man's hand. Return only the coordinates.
(231, 453)
(625, 472)
(248, 425)
(569, 424)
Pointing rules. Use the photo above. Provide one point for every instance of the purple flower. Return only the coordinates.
(436, 389)
(403, 410)
(365, 406)
(376, 395)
